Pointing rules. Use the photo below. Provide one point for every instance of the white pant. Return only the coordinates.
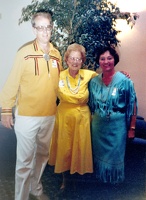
(33, 141)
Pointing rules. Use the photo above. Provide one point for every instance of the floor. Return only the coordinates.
(87, 188)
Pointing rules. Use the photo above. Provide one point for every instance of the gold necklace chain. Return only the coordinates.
(76, 89)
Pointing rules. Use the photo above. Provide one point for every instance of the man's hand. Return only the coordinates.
(7, 121)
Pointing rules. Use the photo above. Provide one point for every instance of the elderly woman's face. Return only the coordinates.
(106, 61)
(74, 60)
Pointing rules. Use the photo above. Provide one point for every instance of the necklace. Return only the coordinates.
(76, 89)
(105, 101)
(108, 82)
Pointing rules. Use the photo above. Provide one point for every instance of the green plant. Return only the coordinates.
(91, 23)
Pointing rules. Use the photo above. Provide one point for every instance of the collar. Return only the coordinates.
(37, 47)
(81, 73)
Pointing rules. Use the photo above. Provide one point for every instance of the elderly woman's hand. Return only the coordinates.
(125, 73)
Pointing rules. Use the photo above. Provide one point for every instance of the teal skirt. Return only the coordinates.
(108, 142)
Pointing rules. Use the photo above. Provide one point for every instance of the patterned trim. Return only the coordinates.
(36, 57)
(35, 45)
(54, 58)
(57, 59)
(6, 111)
(33, 56)
(36, 67)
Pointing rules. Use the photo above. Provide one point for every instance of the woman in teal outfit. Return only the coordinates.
(111, 101)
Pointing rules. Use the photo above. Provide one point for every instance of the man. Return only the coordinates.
(32, 85)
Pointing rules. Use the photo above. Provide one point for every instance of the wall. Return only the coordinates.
(12, 36)
(132, 49)
(133, 58)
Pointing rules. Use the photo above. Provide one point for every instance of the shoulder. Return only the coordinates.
(25, 50)
(123, 81)
(96, 78)
(123, 77)
(26, 46)
(95, 82)
(54, 50)
(63, 73)
(88, 73)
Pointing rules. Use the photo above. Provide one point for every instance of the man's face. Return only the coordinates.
(42, 29)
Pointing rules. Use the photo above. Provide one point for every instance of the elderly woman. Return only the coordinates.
(111, 101)
(71, 142)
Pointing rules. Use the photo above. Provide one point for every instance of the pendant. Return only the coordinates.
(46, 57)
(74, 91)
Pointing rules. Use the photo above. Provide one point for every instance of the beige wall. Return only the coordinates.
(133, 58)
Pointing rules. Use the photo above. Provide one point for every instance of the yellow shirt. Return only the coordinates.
(30, 86)
(65, 94)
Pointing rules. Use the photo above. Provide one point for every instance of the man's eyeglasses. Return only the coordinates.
(73, 59)
(44, 28)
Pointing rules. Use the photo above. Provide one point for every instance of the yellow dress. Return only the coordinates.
(71, 140)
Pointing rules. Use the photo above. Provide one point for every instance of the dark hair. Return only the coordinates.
(111, 50)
